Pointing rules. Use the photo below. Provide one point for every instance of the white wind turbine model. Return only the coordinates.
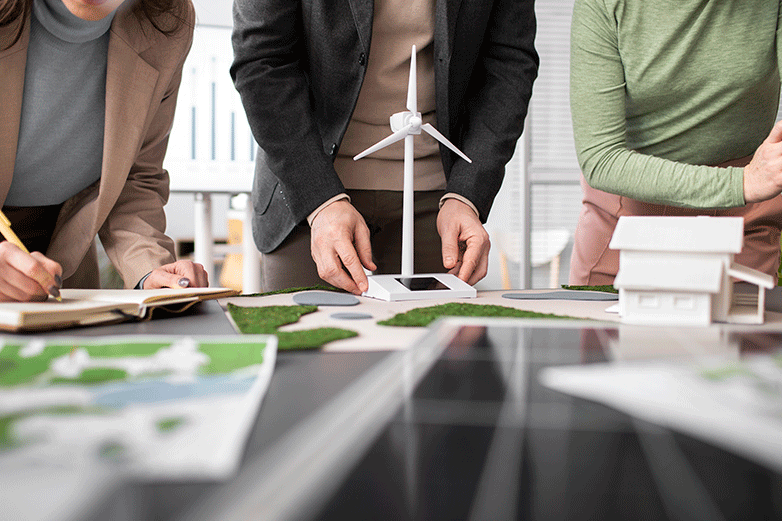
(407, 286)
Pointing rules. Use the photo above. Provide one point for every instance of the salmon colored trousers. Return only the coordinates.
(594, 263)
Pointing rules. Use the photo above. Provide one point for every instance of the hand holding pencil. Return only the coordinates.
(25, 276)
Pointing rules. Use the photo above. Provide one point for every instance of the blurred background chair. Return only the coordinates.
(546, 248)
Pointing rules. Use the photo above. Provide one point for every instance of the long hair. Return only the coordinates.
(17, 11)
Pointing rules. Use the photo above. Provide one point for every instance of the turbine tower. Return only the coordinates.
(406, 125)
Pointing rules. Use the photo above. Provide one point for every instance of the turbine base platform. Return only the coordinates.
(393, 288)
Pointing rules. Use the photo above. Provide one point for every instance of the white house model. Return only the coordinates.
(680, 271)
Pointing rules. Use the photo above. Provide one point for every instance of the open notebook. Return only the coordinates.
(81, 307)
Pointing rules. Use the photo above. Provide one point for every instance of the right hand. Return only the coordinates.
(27, 276)
(180, 274)
(341, 247)
(763, 175)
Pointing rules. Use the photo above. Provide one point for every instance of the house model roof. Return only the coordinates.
(679, 234)
(694, 275)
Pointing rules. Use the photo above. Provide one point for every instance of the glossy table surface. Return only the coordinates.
(459, 427)
(456, 427)
(478, 437)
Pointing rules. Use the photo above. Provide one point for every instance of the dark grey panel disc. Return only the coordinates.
(563, 295)
(325, 298)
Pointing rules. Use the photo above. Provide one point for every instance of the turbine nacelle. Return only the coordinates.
(410, 123)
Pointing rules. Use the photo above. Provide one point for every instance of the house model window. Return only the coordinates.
(684, 302)
(680, 270)
(648, 301)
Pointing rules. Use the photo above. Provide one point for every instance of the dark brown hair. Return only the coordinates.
(17, 11)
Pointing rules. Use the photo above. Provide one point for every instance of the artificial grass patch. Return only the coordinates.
(17, 370)
(7, 438)
(311, 338)
(267, 320)
(169, 424)
(223, 361)
(723, 373)
(606, 288)
(293, 290)
(94, 376)
(422, 317)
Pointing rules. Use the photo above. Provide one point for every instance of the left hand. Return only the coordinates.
(465, 242)
(179, 274)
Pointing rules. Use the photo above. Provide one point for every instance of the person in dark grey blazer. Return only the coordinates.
(299, 66)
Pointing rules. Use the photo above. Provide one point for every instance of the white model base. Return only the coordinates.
(394, 288)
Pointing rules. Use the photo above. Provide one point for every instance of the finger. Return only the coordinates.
(49, 265)
(469, 262)
(450, 246)
(47, 273)
(349, 258)
(775, 136)
(332, 271)
(15, 284)
(160, 278)
(191, 274)
(34, 268)
(187, 271)
(475, 259)
(201, 277)
(364, 248)
(480, 270)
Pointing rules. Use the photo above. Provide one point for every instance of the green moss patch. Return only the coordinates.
(225, 358)
(121, 349)
(311, 338)
(293, 290)
(606, 288)
(725, 373)
(422, 317)
(16, 370)
(169, 424)
(7, 439)
(94, 376)
(112, 450)
(267, 320)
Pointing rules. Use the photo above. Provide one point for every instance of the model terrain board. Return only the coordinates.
(172, 408)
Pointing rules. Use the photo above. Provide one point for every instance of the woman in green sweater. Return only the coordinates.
(673, 107)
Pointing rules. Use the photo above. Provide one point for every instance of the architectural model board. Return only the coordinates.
(152, 408)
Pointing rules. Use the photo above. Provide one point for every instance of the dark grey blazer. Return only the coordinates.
(299, 64)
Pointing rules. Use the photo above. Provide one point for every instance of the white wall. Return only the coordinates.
(213, 19)
(213, 12)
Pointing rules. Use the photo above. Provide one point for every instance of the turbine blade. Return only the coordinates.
(393, 138)
(429, 129)
(412, 91)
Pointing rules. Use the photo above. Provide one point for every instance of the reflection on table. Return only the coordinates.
(472, 434)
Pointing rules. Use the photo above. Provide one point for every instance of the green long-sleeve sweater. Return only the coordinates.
(660, 88)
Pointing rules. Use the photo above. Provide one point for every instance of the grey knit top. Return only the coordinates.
(60, 147)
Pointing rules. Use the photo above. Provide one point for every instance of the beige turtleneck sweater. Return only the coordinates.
(397, 26)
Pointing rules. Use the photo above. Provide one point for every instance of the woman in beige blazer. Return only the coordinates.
(148, 41)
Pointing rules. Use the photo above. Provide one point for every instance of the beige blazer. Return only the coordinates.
(124, 208)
